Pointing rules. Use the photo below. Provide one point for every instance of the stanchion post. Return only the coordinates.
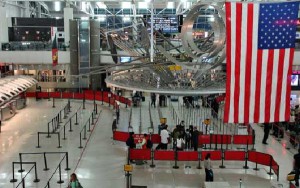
(64, 138)
(76, 119)
(70, 128)
(270, 172)
(246, 160)
(69, 105)
(199, 160)
(84, 134)
(80, 144)
(36, 175)
(53, 103)
(21, 163)
(256, 168)
(176, 166)
(58, 137)
(45, 161)
(216, 141)
(126, 103)
(253, 138)
(13, 174)
(38, 146)
(48, 136)
(60, 121)
(60, 181)
(89, 130)
(67, 162)
(152, 158)
(223, 157)
(96, 109)
(93, 118)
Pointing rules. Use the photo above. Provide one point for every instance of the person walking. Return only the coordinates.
(209, 175)
(296, 165)
(74, 183)
(266, 133)
(153, 99)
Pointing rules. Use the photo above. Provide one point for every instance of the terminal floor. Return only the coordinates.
(100, 164)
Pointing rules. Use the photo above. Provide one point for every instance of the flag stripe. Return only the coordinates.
(243, 59)
(253, 62)
(279, 85)
(288, 84)
(228, 63)
(274, 85)
(284, 82)
(258, 85)
(268, 84)
(237, 61)
(248, 62)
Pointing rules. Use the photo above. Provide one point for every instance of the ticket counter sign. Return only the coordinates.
(128, 168)
(138, 138)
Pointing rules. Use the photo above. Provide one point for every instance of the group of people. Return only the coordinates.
(181, 138)
(161, 99)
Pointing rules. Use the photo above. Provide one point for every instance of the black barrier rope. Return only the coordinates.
(58, 135)
(23, 179)
(60, 181)
(45, 159)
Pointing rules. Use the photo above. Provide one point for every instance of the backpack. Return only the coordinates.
(149, 144)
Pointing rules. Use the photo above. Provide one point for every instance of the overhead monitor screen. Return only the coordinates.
(294, 80)
(165, 24)
(125, 59)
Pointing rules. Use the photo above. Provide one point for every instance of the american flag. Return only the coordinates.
(259, 56)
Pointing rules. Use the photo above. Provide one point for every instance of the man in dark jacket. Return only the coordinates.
(195, 138)
(130, 141)
(266, 132)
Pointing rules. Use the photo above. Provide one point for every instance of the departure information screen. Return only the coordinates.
(166, 24)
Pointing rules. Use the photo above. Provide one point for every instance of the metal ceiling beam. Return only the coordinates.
(95, 1)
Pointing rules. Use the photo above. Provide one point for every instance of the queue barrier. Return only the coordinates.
(140, 154)
(120, 136)
(243, 139)
(187, 156)
(164, 155)
(203, 139)
(216, 155)
(103, 96)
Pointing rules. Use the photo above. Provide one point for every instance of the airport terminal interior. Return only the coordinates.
(140, 93)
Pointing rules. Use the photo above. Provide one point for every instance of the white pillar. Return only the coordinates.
(152, 30)
(68, 15)
(3, 25)
(26, 11)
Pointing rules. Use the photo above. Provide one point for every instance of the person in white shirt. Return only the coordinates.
(209, 175)
(180, 143)
(164, 138)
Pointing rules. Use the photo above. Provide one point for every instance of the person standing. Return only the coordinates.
(209, 175)
(266, 133)
(153, 99)
(74, 183)
(164, 137)
(296, 165)
(195, 139)
(180, 143)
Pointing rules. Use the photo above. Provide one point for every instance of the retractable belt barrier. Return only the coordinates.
(103, 96)
(216, 155)
(203, 139)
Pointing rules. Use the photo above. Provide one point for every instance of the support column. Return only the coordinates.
(3, 25)
(39, 10)
(152, 30)
(68, 15)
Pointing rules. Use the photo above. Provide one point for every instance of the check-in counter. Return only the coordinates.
(8, 110)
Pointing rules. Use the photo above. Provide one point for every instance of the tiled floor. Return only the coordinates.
(100, 164)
